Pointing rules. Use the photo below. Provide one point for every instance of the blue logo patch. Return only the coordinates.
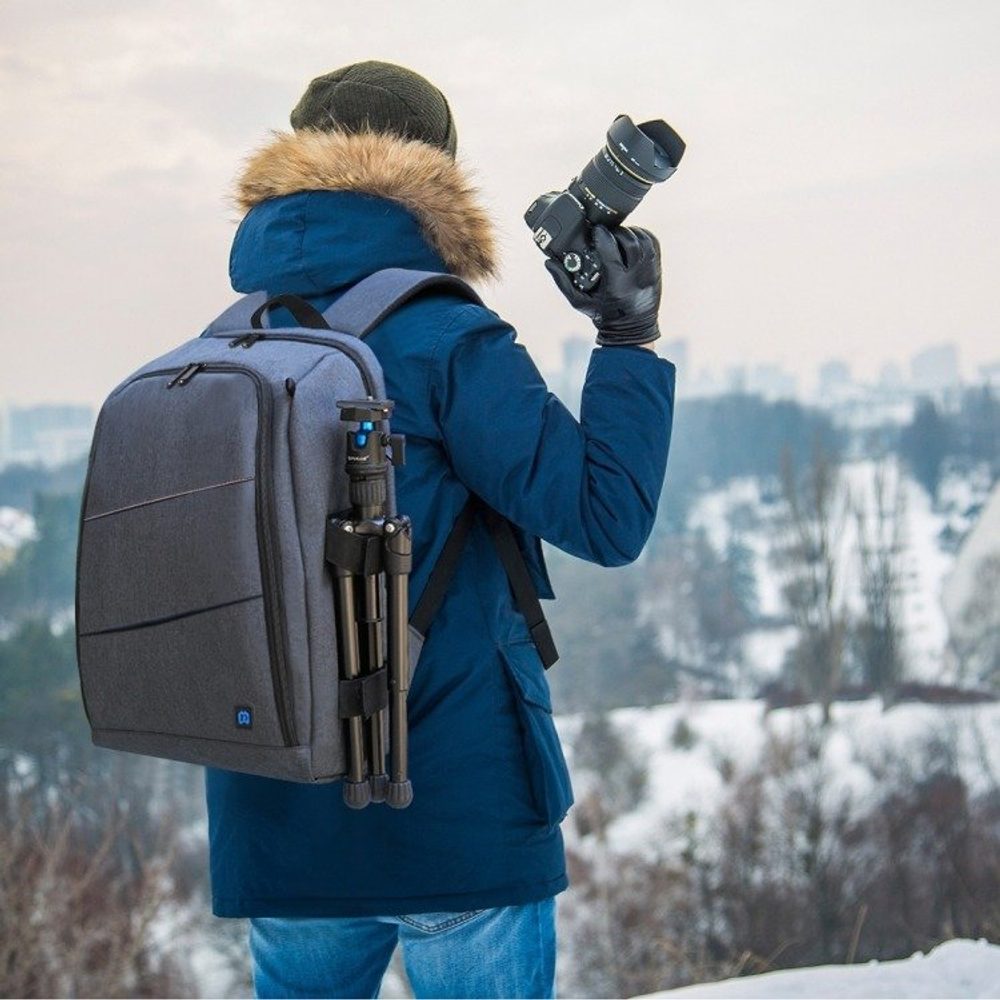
(244, 717)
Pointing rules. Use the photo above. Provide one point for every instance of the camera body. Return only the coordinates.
(609, 187)
(559, 226)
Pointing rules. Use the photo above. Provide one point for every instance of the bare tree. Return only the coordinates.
(792, 868)
(881, 527)
(84, 889)
(976, 639)
(816, 510)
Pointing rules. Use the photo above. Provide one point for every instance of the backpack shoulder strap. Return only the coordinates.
(363, 306)
(525, 594)
(360, 309)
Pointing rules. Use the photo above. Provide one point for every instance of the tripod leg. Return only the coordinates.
(397, 558)
(357, 790)
(372, 659)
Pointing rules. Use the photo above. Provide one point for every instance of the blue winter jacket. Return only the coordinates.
(490, 782)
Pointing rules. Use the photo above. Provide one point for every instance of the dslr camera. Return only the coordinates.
(610, 186)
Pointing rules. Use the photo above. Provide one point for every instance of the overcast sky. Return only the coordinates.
(839, 196)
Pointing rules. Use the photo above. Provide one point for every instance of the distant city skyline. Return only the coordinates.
(851, 400)
(56, 432)
(839, 195)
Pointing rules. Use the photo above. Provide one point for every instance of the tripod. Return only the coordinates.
(371, 554)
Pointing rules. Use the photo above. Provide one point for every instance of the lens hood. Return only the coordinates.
(650, 151)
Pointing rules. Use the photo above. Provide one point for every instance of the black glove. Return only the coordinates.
(625, 302)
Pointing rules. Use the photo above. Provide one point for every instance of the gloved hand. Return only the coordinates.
(625, 302)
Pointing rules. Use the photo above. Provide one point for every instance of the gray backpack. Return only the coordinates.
(206, 629)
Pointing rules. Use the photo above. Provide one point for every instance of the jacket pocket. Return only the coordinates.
(548, 774)
(415, 643)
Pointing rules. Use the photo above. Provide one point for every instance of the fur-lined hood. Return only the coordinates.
(420, 177)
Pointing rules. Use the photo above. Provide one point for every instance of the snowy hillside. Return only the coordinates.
(952, 969)
(694, 752)
(750, 512)
(711, 839)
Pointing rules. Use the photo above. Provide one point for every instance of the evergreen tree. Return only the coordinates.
(41, 579)
(742, 578)
(40, 709)
(924, 443)
(608, 657)
(20, 484)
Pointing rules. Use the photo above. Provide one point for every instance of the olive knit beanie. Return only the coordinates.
(379, 96)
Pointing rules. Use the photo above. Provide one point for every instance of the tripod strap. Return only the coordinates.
(525, 595)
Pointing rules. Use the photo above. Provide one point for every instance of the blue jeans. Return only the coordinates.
(508, 951)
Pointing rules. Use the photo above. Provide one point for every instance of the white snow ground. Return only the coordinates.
(953, 969)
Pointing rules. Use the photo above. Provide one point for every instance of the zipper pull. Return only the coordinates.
(245, 340)
(187, 373)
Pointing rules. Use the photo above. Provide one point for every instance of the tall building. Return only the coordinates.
(890, 376)
(566, 381)
(4, 434)
(990, 374)
(834, 379)
(935, 368)
(735, 378)
(676, 350)
(45, 434)
(772, 382)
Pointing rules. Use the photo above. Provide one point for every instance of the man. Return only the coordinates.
(466, 877)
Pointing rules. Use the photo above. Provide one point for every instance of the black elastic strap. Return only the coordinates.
(523, 587)
(444, 570)
(525, 595)
(364, 695)
(303, 313)
(358, 553)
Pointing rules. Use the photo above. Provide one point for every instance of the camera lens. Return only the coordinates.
(634, 158)
(650, 151)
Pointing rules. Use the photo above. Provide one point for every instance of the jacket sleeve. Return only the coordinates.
(590, 487)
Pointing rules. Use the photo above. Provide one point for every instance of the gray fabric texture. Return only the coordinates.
(178, 512)
(184, 677)
(288, 763)
(362, 306)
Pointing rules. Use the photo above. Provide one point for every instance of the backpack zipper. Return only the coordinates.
(186, 374)
(249, 339)
(245, 340)
(274, 618)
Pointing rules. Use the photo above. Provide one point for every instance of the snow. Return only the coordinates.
(16, 527)
(981, 542)
(713, 511)
(178, 929)
(925, 567)
(732, 734)
(764, 649)
(924, 562)
(956, 968)
(212, 971)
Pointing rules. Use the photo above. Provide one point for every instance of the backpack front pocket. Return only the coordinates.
(178, 624)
